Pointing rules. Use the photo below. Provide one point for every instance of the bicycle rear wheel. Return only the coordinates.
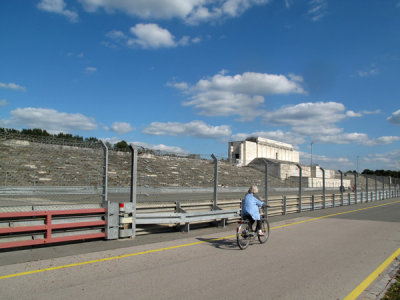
(242, 236)
(265, 229)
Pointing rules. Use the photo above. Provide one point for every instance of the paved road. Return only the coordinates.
(316, 256)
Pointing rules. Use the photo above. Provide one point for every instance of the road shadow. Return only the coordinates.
(223, 244)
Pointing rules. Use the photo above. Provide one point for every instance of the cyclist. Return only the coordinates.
(250, 209)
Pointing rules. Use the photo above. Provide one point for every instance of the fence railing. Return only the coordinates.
(27, 228)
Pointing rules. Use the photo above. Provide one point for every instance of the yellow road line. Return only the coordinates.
(177, 246)
(363, 285)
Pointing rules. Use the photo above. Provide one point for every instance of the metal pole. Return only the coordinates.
(366, 186)
(300, 183)
(215, 181)
(312, 181)
(266, 187)
(383, 187)
(105, 173)
(134, 154)
(355, 187)
(323, 188)
(390, 194)
(376, 188)
(341, 186)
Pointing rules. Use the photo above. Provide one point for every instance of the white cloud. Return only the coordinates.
(116, 35)
(317, 9)
(390, 159)
(307, 114)
(223, 103)
(371, 112)
(91, 69)
(333, 163)
(12, 86)
(278, 135)
(224, 95)
(352, 114)
(395, 118)
(121, 127)
(147, 36)
(357, 138)
(58, 7)
(162, 147)
(194, 128)
(372, 71)
(151, 36)
(159, 147)
(49, 119)
(252, 83)
(3, 102)
(191, 11)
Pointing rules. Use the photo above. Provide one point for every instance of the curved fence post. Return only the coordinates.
(134, 154)
(112, 217)
(105, 172)
(323, 188)
(341, 187)
(355, 187)
(300, 184)
(266, 187)
(215, 181)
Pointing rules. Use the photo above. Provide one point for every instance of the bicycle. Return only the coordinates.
(245, 233)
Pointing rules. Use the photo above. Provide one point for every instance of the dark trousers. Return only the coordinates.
(251, 221)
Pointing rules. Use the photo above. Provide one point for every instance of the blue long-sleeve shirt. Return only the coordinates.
(250, 206)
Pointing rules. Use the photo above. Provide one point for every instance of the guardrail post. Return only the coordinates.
(215, 181)
(333, 200)
(376, 188)
(312, 202)
(323, 188)
(300, 184)
(349, 196)
(383, 187)
(366, 186)
(362, 197)
(284, 205)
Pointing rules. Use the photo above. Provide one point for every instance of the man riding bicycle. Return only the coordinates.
(250, 209)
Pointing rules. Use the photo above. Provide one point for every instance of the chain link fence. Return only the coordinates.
(47, 170)
(44, 170)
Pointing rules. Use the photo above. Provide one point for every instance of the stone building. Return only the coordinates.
(244, 152)
(282, 160)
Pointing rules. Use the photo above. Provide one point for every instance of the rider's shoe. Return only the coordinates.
(260, 233)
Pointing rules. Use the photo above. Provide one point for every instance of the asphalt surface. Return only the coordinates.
(323, 254)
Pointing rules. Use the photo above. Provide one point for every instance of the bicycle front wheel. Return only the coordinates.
(265, 229)
(242, 236)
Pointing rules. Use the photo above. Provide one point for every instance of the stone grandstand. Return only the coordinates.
(27, 163)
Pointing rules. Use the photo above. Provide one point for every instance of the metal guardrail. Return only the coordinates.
(27, 228)
(187, 217)
(34, 225)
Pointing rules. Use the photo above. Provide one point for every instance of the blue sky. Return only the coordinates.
(190, 75)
